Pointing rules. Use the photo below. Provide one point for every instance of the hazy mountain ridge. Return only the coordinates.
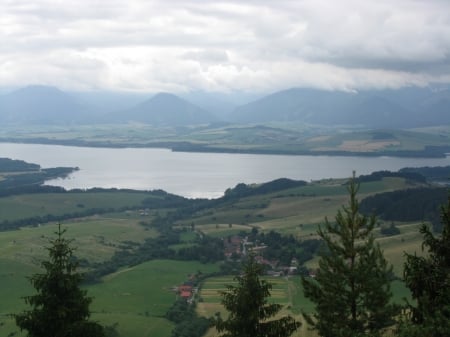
(402, 108)
(166, 110)
(42, 105)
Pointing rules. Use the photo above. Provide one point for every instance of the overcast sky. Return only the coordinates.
(221, 46)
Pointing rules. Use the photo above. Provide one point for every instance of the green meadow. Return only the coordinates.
(143, 293)
(32, 205)
(135, 298)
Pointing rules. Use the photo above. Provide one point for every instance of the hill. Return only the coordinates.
(404, 108)
(42, 105)
(164, 109)
(138, 246)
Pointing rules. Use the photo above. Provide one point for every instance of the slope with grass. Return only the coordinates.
(135, 298)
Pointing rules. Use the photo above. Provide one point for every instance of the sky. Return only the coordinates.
(255, 46)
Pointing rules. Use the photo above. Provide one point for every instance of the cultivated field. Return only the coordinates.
(291, 138)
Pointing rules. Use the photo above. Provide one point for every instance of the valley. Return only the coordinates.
(117, 234)
(408, 122)
(271, 138)
(139, 245)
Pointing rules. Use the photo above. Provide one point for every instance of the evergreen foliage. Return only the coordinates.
(60, 308)
(351, 290)
(428, 278)
(187, 322)
(250, 314)
(414, 204)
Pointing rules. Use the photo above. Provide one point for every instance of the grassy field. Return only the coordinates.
(143, 294)
(286, 291)
(135, 299)
(296, 211)
(30, 205)
(132, 299)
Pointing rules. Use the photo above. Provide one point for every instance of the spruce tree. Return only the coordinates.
(351, 290)
(428, 278)
(60, 308)
(250, 314)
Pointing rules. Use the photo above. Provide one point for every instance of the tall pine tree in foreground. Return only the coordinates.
(428, 278)
(351, 290)
(250, 314)
(60, 308)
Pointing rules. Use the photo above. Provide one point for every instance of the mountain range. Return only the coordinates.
(401, 108)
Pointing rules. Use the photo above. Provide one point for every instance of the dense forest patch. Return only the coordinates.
(416, 204)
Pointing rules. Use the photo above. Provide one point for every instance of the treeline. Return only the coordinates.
(30, 189)
(439, 173)
(12, 182)
(415, 204)
(13, 165)
(37, 220)
(285, 248)
(187, 322)
(204, 249)
(242, 190)
(379, 175)
(156, 199)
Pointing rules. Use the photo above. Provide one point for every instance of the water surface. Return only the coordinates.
(194, 175)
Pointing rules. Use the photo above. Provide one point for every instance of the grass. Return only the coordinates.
(31, 205)
(286, 291)
(286, 210)
(137, 298)
(96, 238)
(130, 325)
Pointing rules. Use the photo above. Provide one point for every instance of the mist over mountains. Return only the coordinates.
(42, 105)
(401, 108)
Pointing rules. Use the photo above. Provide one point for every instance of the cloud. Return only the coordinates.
(255, 46)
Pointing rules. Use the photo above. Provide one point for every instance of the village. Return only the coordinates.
(236, 247)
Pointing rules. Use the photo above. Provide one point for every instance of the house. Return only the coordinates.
(233, 246)
(186, 294)
(185, 288)
(185, 291)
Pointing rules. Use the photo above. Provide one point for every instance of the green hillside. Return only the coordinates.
(141, 245)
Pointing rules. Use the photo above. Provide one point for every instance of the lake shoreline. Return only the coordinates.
(428, 152)
(194, 174)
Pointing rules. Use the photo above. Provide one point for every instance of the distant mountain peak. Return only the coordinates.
(165, 95)
(166, 109)
(38, 89)
(40, 104)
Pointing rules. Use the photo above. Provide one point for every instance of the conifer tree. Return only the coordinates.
(250, 314)
(351, 290)
(60, 308)
(428, 278)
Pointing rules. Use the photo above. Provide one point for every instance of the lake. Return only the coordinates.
(194, 175)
